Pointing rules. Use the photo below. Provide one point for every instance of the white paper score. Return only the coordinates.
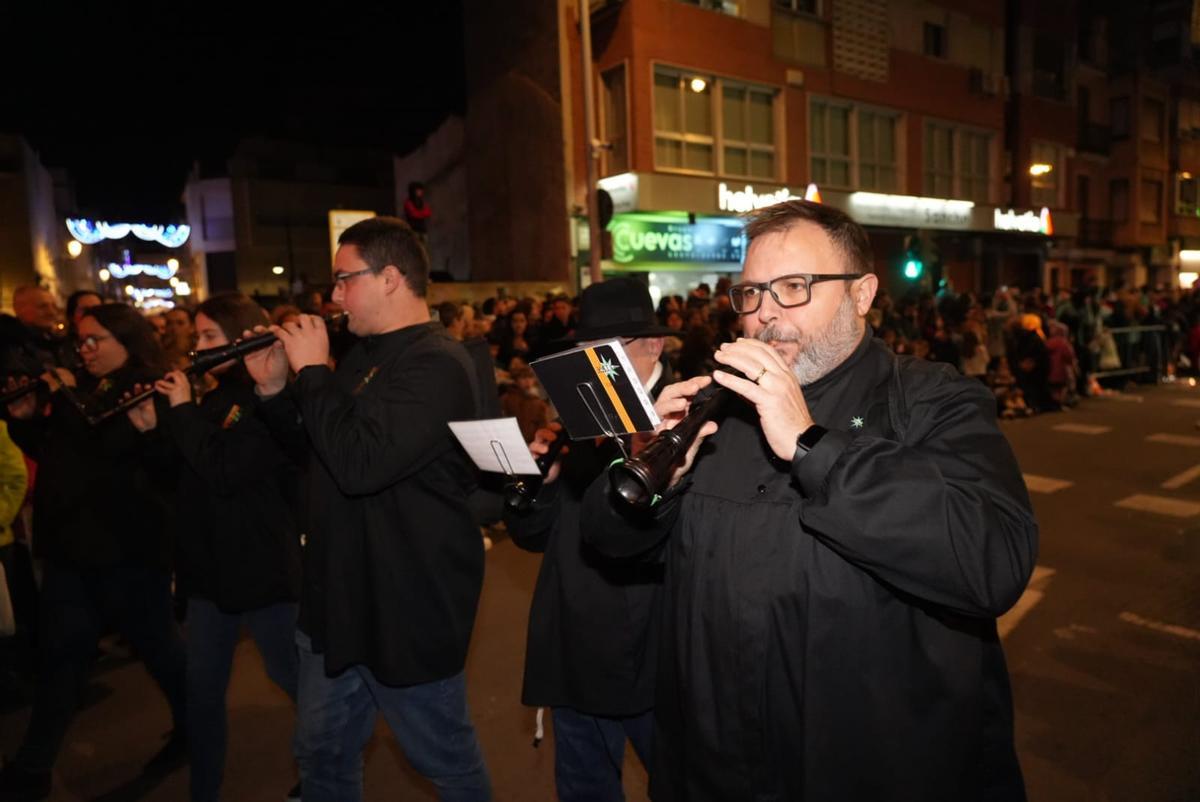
(495, 445)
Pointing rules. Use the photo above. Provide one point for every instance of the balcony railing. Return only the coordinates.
(1095, 138)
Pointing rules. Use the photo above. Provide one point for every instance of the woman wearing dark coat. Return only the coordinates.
(238, 534)
(100, 530)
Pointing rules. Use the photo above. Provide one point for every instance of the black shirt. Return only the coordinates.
(393, 564)
(238, 540)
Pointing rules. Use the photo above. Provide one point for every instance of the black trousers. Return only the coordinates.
(76, 603)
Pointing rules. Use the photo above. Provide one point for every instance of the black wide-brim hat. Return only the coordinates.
(619, 307)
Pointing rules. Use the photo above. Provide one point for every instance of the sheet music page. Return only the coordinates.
(495, 445)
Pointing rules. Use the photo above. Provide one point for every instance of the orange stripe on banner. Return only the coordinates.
(612, 392)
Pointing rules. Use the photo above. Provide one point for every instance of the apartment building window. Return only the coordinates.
(1049, 67)
(713, 126)
(1119, 117)
(615, 121)
(748, 132)
(1150, 202)
(939, 160)
(853, 147)
(1151, 120)
(1187, 199)
(935, 40)
(799, 6)
(974, 165)
(1118, 200)
(957, 162)
(1188, 122)
(683, 129)
(1046, 182)
(877, 152)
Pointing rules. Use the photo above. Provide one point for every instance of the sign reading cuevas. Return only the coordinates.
(638, 239)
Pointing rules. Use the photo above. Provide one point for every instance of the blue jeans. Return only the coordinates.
(589, 752)
(75, 603)
(336, 716)
(212, 637)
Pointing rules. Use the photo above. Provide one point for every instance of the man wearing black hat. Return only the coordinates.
(591, 649)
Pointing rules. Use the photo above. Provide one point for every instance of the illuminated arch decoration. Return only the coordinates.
(89, 232)
(164, 272)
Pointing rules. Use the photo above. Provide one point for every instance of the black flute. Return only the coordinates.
(643, 478)
(204, 361)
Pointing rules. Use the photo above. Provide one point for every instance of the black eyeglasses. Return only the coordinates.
(794, 289)
(92, 342)
(342, 278)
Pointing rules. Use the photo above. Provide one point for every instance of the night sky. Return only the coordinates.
(127, 96)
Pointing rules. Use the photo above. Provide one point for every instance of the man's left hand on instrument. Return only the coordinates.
(306, 341)
(773, 389)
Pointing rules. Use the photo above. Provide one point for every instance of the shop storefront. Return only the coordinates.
(679, 231)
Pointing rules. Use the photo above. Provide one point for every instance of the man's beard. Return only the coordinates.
(819, 353)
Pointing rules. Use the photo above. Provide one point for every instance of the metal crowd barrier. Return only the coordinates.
(1138, 349)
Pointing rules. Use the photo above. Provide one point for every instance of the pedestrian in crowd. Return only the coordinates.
(103, 562)
(592, 643)
(393, 562)
(836, 554)
(238, 556)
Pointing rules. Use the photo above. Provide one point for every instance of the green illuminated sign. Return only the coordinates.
(665, 238)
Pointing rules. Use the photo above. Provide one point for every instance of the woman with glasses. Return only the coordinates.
(99, 520)
(238, 556)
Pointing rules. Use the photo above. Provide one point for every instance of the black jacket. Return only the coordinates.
(237, 536)
(393, 564)
(830, 623)
(97, 501)
(592, 643)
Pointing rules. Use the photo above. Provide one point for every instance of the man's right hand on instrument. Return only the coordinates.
(268, 367)
(672, 406)
(542, 439)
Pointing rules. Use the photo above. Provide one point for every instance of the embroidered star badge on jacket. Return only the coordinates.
(856, 423)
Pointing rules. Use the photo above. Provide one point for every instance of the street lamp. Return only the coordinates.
(104, 274)
(173, 264)
(74, 247)
(277, 270)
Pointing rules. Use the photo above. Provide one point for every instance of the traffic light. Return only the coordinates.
(913, 267)
(913, 260)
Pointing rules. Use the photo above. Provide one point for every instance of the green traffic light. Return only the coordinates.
(912, 269)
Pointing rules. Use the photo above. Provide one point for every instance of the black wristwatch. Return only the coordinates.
(808, 440)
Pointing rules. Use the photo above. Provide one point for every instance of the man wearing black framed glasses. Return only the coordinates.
(836, 554)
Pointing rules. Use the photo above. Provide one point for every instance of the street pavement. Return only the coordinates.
(1103, 648)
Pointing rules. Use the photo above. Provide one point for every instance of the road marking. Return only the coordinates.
(1174, 439)
(1187, 402)
(1159, 626)
(1044, 484)
(1176, 482)
(1160, 505)
(1082, 428)
(1035, 591)
(1133, 399)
